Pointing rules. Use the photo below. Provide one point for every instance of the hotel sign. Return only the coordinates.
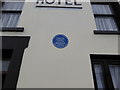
(76, 4)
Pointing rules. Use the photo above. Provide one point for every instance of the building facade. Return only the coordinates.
(60, 44)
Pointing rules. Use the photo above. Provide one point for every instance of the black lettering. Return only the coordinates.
(59, 2)
(50, 2)
(68, 2)
(40, 1)
(75, 2)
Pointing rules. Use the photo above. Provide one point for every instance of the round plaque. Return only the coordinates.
(60, 41)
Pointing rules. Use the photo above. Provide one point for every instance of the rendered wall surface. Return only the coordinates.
(45, 66)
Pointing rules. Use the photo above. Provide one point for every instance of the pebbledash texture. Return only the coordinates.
(67, 44)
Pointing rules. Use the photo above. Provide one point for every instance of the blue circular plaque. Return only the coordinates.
(60, 41)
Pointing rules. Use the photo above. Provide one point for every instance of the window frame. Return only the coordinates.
(18, 44)
(11, 29)
(104, 61)
(115, 6)
(5, 55)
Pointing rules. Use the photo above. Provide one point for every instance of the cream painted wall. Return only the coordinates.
(45, 66)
